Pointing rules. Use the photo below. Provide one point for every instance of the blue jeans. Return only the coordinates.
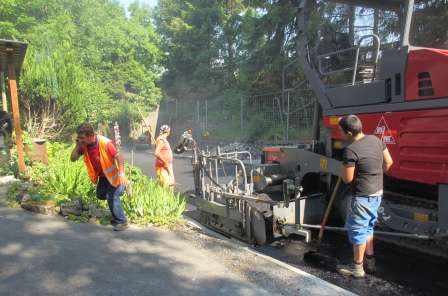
(362, 217)
(112, 194)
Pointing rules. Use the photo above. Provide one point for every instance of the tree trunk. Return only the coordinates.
(351, 13)
(376, 20)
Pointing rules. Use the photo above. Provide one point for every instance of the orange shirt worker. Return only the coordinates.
(164, 158)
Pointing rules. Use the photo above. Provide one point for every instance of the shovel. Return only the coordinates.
(315, 256)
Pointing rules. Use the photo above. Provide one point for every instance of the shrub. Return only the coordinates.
(65, 180)
(151, 203)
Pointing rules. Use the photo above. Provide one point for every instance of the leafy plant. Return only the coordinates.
(62, 177)
(151, 203)
(64, 180)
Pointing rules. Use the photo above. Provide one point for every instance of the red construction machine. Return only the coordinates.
(398, 86)
(397, 83)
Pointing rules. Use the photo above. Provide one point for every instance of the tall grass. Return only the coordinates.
(151, 203)
(63, 178)
(66, 180)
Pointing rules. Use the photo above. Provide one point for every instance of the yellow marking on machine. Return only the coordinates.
(324, 164)
(337, 145)
(421, 217)
(334, 120)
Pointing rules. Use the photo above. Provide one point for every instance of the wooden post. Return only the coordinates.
(2, 87)
(16, 116)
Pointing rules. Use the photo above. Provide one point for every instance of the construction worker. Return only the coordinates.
(164, 158)
(186, 141)
(365, 159)
(105, 167)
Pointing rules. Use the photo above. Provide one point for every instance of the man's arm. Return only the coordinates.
(387, 160)
(348, 173)
(349, 159)
(158, 150)
(76, 152)
(120, 163)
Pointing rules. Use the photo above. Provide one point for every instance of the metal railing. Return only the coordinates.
(219, 166)
(354, 68)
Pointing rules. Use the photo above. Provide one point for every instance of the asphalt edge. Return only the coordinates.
(195, 224)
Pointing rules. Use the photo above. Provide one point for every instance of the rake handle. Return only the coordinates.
(328, 210)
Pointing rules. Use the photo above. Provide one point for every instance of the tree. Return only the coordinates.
(85, 57)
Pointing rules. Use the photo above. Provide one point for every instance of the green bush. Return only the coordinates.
(6, 168)
(66, 180)
(151, 203)
(62, 178)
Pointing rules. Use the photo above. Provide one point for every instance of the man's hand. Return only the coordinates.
(122, 178)
(75, 153)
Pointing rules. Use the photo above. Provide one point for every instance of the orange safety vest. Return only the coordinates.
(110, 169)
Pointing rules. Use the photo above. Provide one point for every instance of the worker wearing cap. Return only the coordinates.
(164, 158)
(105, 167)
(365, 159)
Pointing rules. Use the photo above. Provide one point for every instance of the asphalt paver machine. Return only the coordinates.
(396, 82)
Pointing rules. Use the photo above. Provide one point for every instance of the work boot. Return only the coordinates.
(121, 226)
(113, 222)
(354, 270)
(369, 264)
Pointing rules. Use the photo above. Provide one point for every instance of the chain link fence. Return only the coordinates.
(277, 118)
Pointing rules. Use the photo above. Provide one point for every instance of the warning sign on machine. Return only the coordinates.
(383, 131)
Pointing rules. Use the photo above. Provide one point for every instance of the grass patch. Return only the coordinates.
(151, 203)
(62, 180)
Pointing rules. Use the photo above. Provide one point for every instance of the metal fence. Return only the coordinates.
(283, 117)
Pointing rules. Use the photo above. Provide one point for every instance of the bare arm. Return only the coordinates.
(348, 173)
(158, 150)
(387, 160)
(120, 162)
(75, 153)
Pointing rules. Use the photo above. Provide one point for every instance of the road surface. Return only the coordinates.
(47, 255)
(400, 271)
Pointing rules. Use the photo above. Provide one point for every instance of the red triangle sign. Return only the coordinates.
(383, 131)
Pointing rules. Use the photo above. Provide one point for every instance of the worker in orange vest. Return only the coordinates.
(164, 158)
(105, 167)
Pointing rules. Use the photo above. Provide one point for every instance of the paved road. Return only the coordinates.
(399, 271)
(182, 167)
(42, 255)
(45, 255)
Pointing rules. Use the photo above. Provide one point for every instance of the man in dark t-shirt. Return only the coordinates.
(365, 160)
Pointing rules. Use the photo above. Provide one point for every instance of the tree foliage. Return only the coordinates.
(244, 44)
(216, 45)
(88, 58)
